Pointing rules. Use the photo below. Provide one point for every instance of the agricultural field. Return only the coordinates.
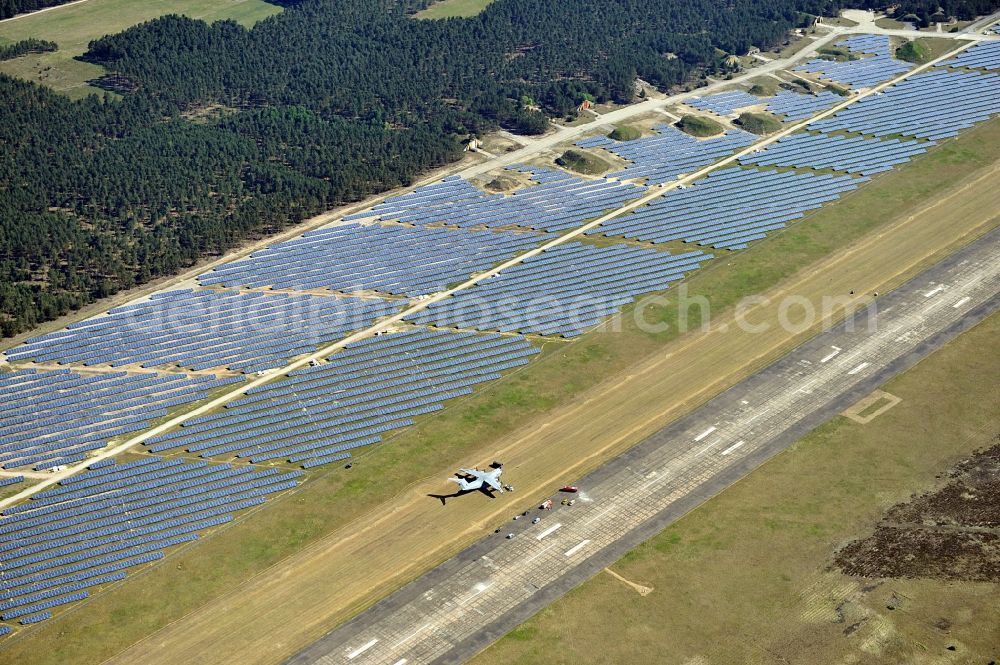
(453, 8)
(73, 27)
(761, 559)
(480, 424)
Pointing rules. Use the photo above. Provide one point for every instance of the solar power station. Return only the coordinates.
(556, 202)
(58, 417)
(669, 153)
(850, 154)
(874, 64)
(68, 394)
(317, 414)
(205, 329)
(563, 291)
(726, 103)
(394, 260)
(95, 525)
(729, 208)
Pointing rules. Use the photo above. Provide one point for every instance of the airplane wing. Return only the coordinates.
(493, 480)
(466, 485)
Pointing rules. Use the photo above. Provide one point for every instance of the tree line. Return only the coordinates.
(26, 46)
(224, 134)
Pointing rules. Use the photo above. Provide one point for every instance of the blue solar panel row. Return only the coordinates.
(725, 103)
(669, 153)
(935, 104)
(36, 618)
(558, 201)
(390, 259)
(563, 291)
(851, 154)
(207, 329)
(985, 55)
(796, 106)
(874, 44)
(58, 417)
(11, 480)
(370, 387)
(730, 208)
(865, 72)
(89, 529)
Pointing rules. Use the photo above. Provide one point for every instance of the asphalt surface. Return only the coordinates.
(463, 605)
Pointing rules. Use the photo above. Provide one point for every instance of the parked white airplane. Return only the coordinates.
(474, 479)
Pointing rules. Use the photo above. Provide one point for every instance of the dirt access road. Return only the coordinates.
(292, 604)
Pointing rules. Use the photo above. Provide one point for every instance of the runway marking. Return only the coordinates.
(707, 448)
(934, 291)
(551, 529)
(733, 447)
(539, 553)
(408, 637)
(858, 368)
(576, 548)
(962, 302)
(401, 661)
(596, 517)
(831, 356)
(705, 433)
(360, 650)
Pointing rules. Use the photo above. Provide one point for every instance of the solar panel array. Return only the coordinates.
(318, 414)
(559, 201)
(865, 72)
(851, 154)
(934, 104)
(562, 291)
(389, 259)
(206, 329)
(53, 418)
(874, 44)
(796, 106)
(670, 152)
(985, 55)
(725, 103)
(90, 528)
(730, 208)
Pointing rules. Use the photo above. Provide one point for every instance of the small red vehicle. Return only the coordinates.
(569, 488)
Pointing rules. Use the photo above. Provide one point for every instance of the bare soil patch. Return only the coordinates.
(952, 533)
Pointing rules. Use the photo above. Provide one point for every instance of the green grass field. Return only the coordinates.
(934, 47)
(452, 8)
(331, 499)
(747, 577)
(74, 27)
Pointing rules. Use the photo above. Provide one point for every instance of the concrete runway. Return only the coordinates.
(460, 607)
